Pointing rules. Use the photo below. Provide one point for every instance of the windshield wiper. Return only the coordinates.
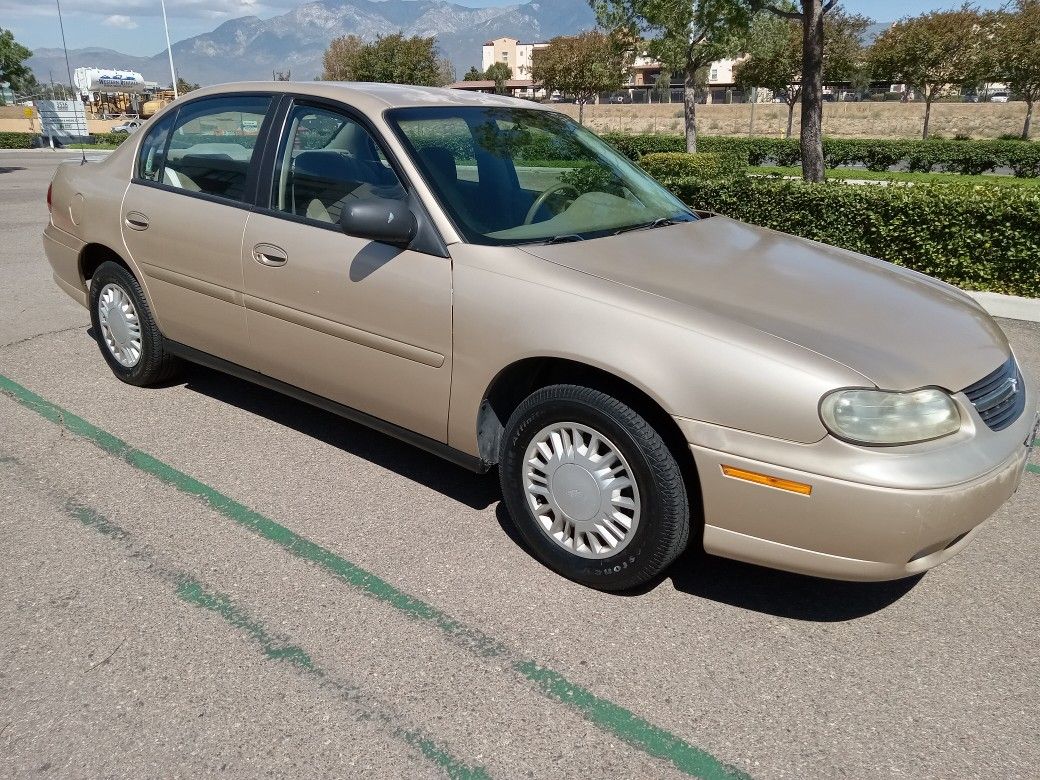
(565, 238)
(659, 222)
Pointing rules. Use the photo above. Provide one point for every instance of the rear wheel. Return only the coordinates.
(125, 330)
(593, 488)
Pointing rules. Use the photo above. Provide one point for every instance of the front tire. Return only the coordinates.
(593, 488)
(125, 330)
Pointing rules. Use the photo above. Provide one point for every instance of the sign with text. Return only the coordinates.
(64, 120)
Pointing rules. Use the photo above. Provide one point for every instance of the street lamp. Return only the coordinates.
(169, 49)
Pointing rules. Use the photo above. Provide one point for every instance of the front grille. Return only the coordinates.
(1000, 397)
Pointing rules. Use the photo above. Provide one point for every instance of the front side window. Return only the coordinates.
(327, 160)
(212, 144)
(519, 175)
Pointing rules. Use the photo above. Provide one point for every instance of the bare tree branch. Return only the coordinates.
(783, 12)
(829, 5)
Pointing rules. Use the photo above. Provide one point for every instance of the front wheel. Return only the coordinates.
(593, 488)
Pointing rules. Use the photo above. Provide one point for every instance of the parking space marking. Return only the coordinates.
(193, 592)
(610, 717)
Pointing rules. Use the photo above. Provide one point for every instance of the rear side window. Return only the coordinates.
(211, 145)
(150, 155)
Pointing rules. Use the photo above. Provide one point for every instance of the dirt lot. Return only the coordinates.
(846, 120)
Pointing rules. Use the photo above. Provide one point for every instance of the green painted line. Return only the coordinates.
(629, 726)
(1031, 467)
(193, 592)
(612, 718)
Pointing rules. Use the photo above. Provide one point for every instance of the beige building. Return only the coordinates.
(518, 56)
(641, 76)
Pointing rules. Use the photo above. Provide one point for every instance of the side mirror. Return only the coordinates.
(379, 219)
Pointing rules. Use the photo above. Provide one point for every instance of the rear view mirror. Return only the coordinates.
(379, 219)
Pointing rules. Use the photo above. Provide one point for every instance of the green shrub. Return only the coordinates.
(979, 238)
(951, 156)
(18, 140)
(112, 139)
(703, 165)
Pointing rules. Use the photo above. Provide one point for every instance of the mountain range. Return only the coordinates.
(251, 48)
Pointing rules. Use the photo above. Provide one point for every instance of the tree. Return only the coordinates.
(445, 72)
(183, 86)
(581, 65)
(1017, 53)
(391, 59)
(685, 36)
(810, 15)
(473, 74)
(775, 49)
(932, 52)
(12, 62)
(499, 73)
(774, 46)
(342, 59)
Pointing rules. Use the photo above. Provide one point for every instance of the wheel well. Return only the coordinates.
(93, 255)
(517, 381)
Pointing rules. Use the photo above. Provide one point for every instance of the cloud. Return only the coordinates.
(141, 9)
(120, 21)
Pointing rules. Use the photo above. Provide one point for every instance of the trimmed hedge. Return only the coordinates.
(109, 138)
(18, 140)
(978, 238)
(952, 156)
(703, 165)
(32, 140)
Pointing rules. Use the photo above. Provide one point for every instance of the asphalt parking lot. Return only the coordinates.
(209, 578)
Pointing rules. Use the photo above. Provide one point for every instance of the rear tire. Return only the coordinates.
(593, 488)
(126, 333)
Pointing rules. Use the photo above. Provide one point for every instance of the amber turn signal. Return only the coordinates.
(765, 479)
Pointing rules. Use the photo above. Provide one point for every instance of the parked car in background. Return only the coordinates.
(490, 281)
(999, 97)
(130, 126)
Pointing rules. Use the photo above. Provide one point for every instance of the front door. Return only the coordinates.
(365, 324)
(183, 217)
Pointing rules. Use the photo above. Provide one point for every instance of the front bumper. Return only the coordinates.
(873, 513)
(844, 530)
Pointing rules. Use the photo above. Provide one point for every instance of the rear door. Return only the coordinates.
(184, 213)
(363, 323)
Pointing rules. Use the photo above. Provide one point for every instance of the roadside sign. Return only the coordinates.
(64, 120)
(27, 112)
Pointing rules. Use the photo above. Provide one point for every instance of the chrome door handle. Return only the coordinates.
(269, 254)
(135, 220)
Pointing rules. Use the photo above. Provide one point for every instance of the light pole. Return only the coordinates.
(169, 49)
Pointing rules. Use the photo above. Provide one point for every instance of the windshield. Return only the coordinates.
(521, 175)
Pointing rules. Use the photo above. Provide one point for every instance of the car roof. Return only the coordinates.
(372, 97)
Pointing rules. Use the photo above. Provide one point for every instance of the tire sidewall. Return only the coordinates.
(618, 571)
(111, 273)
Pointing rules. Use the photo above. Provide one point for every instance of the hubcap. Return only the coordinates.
(581, 490)
(120, 326)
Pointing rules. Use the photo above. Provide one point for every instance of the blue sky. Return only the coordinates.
(135, 26)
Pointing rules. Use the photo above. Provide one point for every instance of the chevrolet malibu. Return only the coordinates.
(485, 279)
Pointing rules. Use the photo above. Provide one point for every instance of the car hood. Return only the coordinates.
(900, 329)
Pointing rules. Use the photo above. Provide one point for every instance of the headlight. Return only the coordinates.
(881, 417)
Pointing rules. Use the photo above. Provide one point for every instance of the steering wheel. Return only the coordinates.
(540, 200)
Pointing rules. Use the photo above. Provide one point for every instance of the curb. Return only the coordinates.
(1011, 307)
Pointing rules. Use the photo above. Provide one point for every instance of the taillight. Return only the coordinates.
(49, 188)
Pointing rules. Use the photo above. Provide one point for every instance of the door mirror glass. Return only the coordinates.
(379, 219)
